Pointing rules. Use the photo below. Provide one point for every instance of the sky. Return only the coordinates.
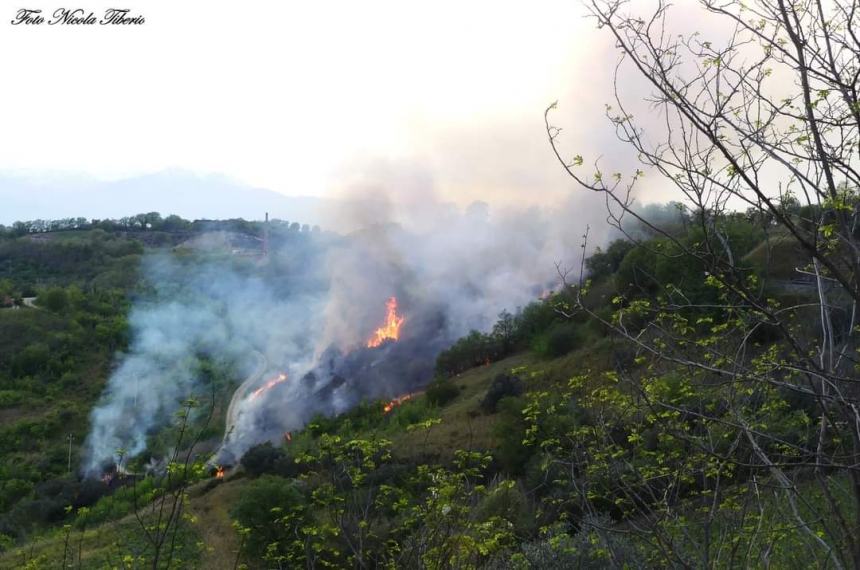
(306, 98)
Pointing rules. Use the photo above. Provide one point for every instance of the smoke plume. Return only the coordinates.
(308, 309)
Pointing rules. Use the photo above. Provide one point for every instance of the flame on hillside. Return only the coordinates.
(268, 385)
(391, 329)
(219, 472)
(398, 401)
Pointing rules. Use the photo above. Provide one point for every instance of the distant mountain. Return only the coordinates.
(53, 196)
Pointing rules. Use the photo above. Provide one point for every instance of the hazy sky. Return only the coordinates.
(299, 97)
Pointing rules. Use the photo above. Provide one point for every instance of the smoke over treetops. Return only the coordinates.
(307, 310)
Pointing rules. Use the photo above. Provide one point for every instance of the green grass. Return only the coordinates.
(115, 544)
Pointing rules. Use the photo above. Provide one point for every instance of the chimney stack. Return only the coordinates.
(266, 237)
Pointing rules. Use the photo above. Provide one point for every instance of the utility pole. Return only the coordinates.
(71, 437)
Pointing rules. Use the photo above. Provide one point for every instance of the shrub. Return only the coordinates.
(503, 385)
(510, 432)
(507, 501)
(266, 458)
(560, 339)
(261, 508)
(604, 263)
(534, 320)
(10, 398)
(54, 299)
(441, 392)
(594, 545)
(472, 350)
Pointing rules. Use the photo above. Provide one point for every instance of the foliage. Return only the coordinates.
(503, 386)
(685, 436)
(266, 458)
(528, 328)
(472, 350)
(602, 264)
(266, 508)
(442, 391)
(558, 340)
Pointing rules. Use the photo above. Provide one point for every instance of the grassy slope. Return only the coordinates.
(214, 526)
(458, 430)
(461, 428)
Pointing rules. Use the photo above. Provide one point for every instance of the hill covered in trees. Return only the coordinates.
(688, 397)
(550, 440)
(66, 287)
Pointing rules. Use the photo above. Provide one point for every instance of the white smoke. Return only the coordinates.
(317, 300)
(218, 309)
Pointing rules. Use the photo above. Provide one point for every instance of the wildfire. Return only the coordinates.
(391, 329)
(269, 385)
(288, 436)
(397, 401)
(219, 472)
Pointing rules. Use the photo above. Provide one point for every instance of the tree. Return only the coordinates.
(765, 117)
(152, 220)
(604, 263)
(7, 288)
(175, 223)
(264, 458)
(504, 330)
(263, 508)
(54, 299)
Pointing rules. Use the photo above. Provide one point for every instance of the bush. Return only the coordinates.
(510, 432)
(10, 398)
(442, 391)
(54, 299)
(504, 385)
(594, 545)
(261, 507)
(604, 263)
(507, 501)
(534, 320)
(472, 350)
(560, 339)
(266, 458)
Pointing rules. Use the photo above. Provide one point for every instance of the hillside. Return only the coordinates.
(458, 424)
(65, 298)
(604, 424)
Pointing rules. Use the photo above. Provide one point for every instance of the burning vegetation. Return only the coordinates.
(391, 329)
(268, 386)
(398, 401)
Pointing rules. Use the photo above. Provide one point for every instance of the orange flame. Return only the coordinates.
(398, 401)
(269, 385)
(219, 472)
(391, 329)
(288, 436)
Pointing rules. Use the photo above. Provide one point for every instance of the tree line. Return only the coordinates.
(151, 221)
